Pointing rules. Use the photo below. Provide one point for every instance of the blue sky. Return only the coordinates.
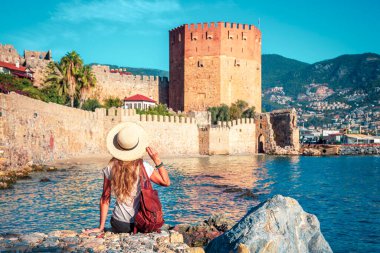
(135, 33)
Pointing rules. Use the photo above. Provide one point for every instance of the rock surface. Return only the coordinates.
(201, 234)
(276, 225)
(70, 241)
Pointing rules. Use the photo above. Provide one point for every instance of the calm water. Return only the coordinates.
(344, 193)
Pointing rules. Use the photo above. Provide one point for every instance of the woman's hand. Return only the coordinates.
(153, 155)
(93, 230)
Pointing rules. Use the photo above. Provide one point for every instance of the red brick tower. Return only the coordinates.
(211, 64)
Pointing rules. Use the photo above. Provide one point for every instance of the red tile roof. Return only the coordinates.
(139, 97)
(12, 66)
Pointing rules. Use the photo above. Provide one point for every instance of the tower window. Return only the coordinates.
(244, 36)
(200, 63)
(194, 36)
(179, 37)
(208, 36)
(230, 35)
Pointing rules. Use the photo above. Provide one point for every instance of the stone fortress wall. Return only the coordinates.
(214, 63)
(110, 83)
(32, 130)
(120, 84)
(37, 61)
(9, 54)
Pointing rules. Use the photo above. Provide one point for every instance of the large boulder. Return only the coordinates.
(276, 225)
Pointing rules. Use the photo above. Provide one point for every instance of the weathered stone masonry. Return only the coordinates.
(37, 61)
(32, 130)
(121, 85)
(214, 63)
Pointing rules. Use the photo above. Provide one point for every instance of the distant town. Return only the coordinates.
(328, 116)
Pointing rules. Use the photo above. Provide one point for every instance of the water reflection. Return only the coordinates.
(342, 191)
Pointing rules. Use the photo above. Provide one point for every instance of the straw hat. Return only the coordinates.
(127, 141)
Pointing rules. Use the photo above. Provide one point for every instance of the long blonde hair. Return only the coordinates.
(124, 177)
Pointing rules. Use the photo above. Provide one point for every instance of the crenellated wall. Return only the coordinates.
(122, 84)
(233, 137)
(32, 130)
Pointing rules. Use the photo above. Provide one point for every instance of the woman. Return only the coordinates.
(127, 143)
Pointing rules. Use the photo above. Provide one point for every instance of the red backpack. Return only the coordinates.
(149, 217)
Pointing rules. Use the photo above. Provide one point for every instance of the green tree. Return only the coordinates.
(235, 111)
(249, 113)
(56, 79)
(160, 109)
(71, 64)
(91, 105)
(86, 81)
(112, 102)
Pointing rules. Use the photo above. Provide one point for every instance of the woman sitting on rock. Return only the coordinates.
(127, 143)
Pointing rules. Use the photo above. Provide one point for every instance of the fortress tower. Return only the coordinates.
(211, 64)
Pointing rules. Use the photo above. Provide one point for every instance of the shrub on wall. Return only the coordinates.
(25, 87)
(112, 102)
(237, 110)
(91, 105)
(159, 109)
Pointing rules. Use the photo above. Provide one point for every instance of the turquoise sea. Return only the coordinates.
(343, 191)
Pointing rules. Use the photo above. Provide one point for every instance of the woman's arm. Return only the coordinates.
(160, 176)
(104, 205)
(104, 202)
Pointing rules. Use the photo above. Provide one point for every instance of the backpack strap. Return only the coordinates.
(144, 179)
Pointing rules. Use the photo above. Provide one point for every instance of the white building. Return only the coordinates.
(138, 102)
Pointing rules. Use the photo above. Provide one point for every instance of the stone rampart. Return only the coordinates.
(40, 132)
(9, 54)
(277, 132)
(232, 137)
(32, 130)
(122, 84)
(37, 61)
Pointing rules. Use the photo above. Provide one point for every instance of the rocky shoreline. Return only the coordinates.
(276, 225)
(9, 177)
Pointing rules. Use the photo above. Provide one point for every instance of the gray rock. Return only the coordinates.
(276, 225)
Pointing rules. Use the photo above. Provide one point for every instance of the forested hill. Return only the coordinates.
(357, 71)
(275, 66)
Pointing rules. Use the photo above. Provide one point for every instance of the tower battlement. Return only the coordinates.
(214, 63)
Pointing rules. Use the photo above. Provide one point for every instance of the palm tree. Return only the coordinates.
(57, 78)
(86, 81)
(71, 64)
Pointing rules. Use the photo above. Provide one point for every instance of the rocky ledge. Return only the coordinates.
(276, 225)
(11, 176)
